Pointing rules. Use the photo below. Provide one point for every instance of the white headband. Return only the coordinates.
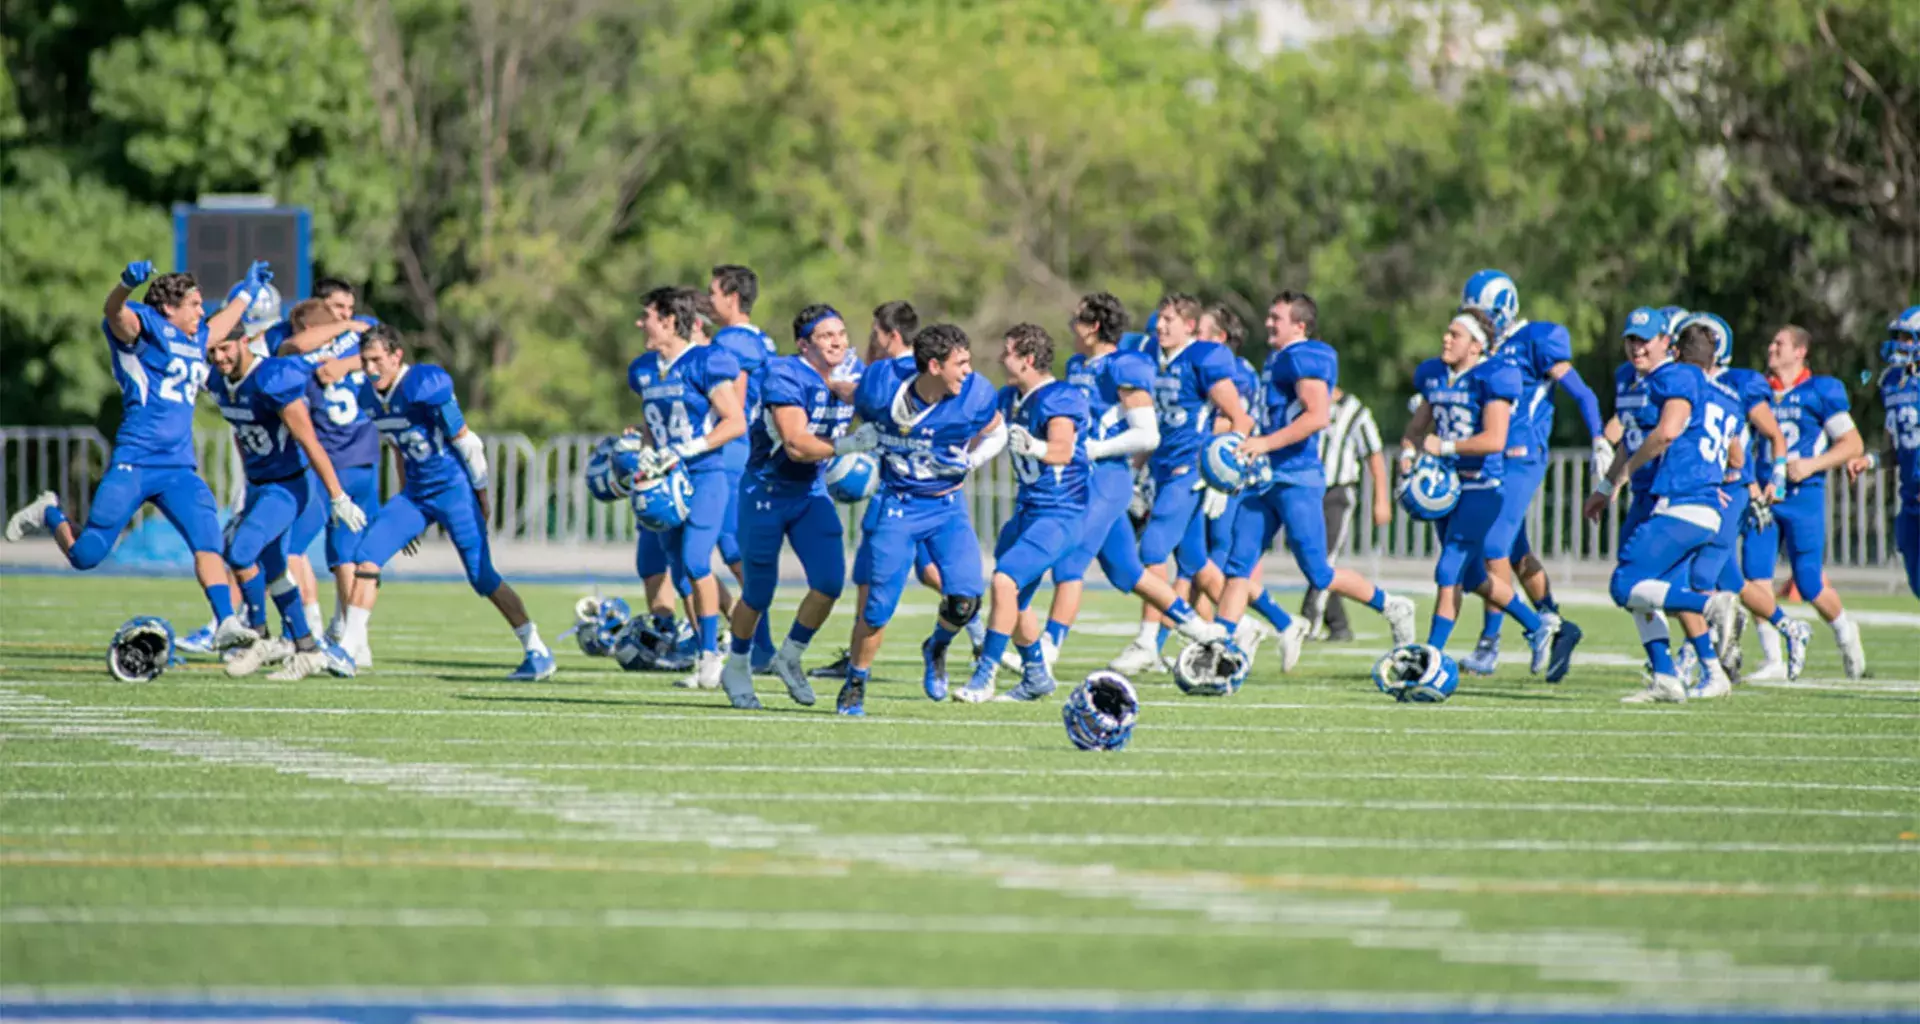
(1473, 327)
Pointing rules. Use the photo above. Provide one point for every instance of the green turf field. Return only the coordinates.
(430, 824)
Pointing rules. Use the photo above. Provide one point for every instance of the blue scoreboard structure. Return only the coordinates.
(217, 238)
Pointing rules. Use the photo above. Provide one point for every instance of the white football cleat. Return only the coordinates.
(1853, 657)
(1686, 665)
(1010, 659)
(300, 666)
(1723, 618)
(1201, 630)
(1797, 636)
(1292, 639)
(706, 672)
(1662, 689)
(1730, 656)
(1485, 657)
(736, 677)
(787, 667)
(1770, 672)
(1715, 685)
(1049, 652)
(1400, 619)
(245, 661)
(32, 519)
(1137, 658)
(233, 633)
(1550, 623)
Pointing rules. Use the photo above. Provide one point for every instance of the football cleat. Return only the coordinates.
(200, 641)
(1215, 669)
(1416, 673)
(1713, 684)
(1292, 640)
(1485, 657)
(301, 665)
(794, 675)
(536, 666)
(1799, 636)
(934, 676)
(140, 650)
(852, 701)
(1201, 630)
(1686, 665)
(233, 633)
(1768, 672)
(1722, 615)
(1731, 657)
(339, 663)
(1853, 657)
(835, 670)
(1100, 713)
(1035, 682)
(241, 662)
(980, 688)
(1010, 659)
(1540, 641)
(1251, 634)
(1136, 658)
(32, 519)
(1400, 619)
(1560, 657)
(736, 677)
(705, 674)
(1661, 689)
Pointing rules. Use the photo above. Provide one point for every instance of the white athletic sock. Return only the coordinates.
(1770, 643)
(1149, 634)
(356, 632)
(312, 612)
(1839, 625)
(793, 648)
(529, 635)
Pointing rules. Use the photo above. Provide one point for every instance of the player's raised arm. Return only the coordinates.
(239, 297)
(124, 322)
(309, 338)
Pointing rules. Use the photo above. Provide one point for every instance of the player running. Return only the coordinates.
(443, 479)
(932, 428)
(265, 401)
(1299, 396)
(732, 291)
(159, 353)
(1464, 417)
(1542, 352)
(1900, 396)
(1696, 437)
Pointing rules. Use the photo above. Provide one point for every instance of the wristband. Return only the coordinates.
(1448, 449)
(1604, 488)
(690, 448)
(1873, 460)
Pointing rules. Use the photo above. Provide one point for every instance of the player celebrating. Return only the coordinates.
(731, 291)
(785, 498)
(1542, 352)
(1696, 437)
(1900, 396)
(1817, 423)
(1300, 380)
(1194, 384)
(1467, 406)
(265, 401)
(159, 360)
(932, 428)
(443, 471)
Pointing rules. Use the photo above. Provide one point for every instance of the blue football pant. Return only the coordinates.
(1716, 568)
(362, 484)
(456, 510)
(650, 559)
(177, 491)
(1661, 554)
(728, 543)
(690, 545)
(1108, 535)
(894, 526)
(1639, 510)
(809, 523)
(1799, 526)
(1464, 537)
(1032, 542)
(1300, 509)
(1175, 505)
(1906, 538)
(1519, 484)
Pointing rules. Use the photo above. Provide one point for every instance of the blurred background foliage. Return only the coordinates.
(503, 178)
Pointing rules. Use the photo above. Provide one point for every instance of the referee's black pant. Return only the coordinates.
(1338, 509)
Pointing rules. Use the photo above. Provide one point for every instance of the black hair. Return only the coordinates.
(740, 282)
(1697, 344)
(1032, 342)
(1474, 313)
(1302, 310)
(935, 342)
(1105, 313)
(674, 304)
(382, 334)
(1230, 323)
(327, 286)
(809, 317)
(169, 290)
(897, 316)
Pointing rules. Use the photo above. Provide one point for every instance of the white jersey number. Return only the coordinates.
(183, 381)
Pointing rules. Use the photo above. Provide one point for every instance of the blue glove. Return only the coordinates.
(136, 273)
(257, 276)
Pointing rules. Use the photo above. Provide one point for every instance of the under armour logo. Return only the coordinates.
(764, 506)
(897, 513)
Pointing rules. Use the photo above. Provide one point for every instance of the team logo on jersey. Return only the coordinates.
(169, 333)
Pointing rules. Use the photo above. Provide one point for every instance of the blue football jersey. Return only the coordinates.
(345, 429)
(160, 373)
(673, 396)
(1459, 404)
(1297, 463)
(1252, 385)
(1101, 379)
(751, 348)
(1753, 389)
(923, 448)
(1900, 394)
(1637, 414)
(420, 416)
(1180, 398)
(792, 381)
(1805, 409)
(1695, 465)
(1532, 347)
(252, 406)
(1044, 487)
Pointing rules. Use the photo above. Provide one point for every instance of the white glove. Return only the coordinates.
(863, 438)
(1024, 443)
(1214, 503)
(630, 441)
(347, 514)
(657, 462)
(1602, 457)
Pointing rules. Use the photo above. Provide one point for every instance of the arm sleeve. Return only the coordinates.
(1583, 396)
(991, 444)
(1142, 435)
(435, 389)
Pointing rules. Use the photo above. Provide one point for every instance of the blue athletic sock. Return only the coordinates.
(1057, 632)
(1490, 626)
(293, 618)
(1703, 646)
(1180, 612)
(802, 635)
(740, 644)
(1030, 654)
(53, 517)
(993, 647)
(1440, 631)
(1378, 601)
(763, 637)
(1232, 626)
(1661, 656)
(1523, 615)
(1686, 601)
(1779, 616)
(1160, 638)
(1548, 604)
(254, 592)
(858, 675)
(1270, 610)
(942, 636)
(220, 596)
(710, 633)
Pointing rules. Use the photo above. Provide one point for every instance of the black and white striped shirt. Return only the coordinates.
(1351, 436)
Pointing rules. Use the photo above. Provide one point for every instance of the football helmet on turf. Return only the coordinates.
(1212, 669)
(1100, 712)
(1416, 673)
(140, 650)
(598, 623)
(1431, 489)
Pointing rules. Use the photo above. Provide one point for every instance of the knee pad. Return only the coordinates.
(958, 609)
(1652, 626)
(1320, 577)
(1448, 571)
(1648, 596)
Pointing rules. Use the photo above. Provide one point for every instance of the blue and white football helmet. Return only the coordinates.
(852, 477)
(1431, 490)
(1100, 712)
(598, 623)
(1902, 347)
(611, 469)
(1492, 292)
(661, 503)
(140, 650)
(1722, 334)
(1416, 674)
(1221, 465)
(1215, 668)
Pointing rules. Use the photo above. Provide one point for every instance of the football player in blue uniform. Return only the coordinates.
(1648, 343)
(785, 499)
(1468, 400)
(1047, 430)
(1900, 396)
(443, 479)
(265, 401)
(1696, 438)
(1193, 388)
(731, 292)
(159, 351)
(1542, 352)
(1817, 422)
(691, 403)
(932, 428)
(1119, 390)
(1299, 398)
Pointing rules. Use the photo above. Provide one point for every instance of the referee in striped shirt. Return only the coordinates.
(1351, 438)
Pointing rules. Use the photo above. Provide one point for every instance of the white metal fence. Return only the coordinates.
(540, 496)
